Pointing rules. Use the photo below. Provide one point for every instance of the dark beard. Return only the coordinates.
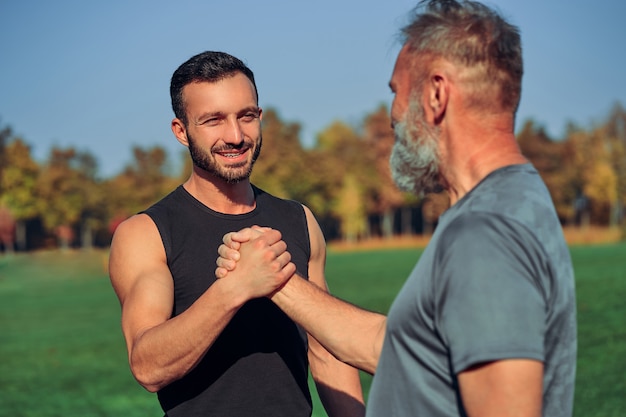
(231, 174)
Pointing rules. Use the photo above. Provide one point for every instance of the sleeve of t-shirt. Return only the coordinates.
(490, 303)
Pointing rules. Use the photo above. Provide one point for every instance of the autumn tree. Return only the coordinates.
(340, 152)
(588, 165)
(69, 196)
(93, 213)
(615, 129)
(318, 172)
(386, 197)
(280, 169)
(600, 178)
(5, 135)
(142, 183)
(550, 158)
(7, 229)
(19, 185)
(350, 209)
(7, 223)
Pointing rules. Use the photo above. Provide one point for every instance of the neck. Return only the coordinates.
(475, 150)
(219, 195)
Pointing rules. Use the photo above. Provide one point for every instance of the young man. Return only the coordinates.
(212, 347)
(485, 324)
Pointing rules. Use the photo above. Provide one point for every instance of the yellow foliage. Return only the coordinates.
(601, 182)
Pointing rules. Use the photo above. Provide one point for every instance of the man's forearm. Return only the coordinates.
(167, 352)
(351, 334)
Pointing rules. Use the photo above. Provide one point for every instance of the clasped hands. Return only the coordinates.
(258, 258)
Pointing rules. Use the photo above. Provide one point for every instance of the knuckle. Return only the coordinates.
(276, 266)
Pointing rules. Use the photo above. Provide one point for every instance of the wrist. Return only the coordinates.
(289, 292)
(231, 294)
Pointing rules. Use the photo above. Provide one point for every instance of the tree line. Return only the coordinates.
(343, 177)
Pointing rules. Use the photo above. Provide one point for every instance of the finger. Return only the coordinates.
(279, 247)
(283, 259)
(289, 270)
(220, 272)
(287, 273)
(228, 253)
(228, 241)
(244, 235)
(226, 264)
(270, 237)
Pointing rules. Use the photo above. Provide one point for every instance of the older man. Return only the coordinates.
(485, 324)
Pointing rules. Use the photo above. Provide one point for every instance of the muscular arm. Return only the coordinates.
(162, 349)
(338, 384)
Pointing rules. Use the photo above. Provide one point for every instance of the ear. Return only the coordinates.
(439, 94)
(179, 130)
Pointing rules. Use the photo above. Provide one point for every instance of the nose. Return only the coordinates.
(234, 133)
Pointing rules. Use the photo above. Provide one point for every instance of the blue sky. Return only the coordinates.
(95, 75)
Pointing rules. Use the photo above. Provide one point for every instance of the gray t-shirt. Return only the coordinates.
(495, 282)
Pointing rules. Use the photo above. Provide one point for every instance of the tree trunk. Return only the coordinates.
(20, 235)
(407, 228)
(387, 223)
(87, 236)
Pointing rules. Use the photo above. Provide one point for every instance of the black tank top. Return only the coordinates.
(258, 365)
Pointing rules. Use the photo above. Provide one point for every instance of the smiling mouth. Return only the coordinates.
(231, 152)
(231, 155)
(237, 156)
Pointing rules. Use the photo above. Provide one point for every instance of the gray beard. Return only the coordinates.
(414, 158)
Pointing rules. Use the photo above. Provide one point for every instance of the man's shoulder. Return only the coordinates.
(510, 211)
(139, 227)
(475, 230)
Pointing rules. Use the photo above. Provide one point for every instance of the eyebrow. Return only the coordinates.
(204, 116)
(253, 109)
(208, 115)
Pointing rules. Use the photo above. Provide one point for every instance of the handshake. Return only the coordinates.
(255, 263)
(258, 259)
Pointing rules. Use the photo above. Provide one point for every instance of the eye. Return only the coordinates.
(212, 121)
(249, 117)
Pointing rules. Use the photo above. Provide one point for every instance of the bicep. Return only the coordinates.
(140, 277)
(505, 388)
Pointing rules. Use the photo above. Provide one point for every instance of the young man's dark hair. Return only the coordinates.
(209, 66)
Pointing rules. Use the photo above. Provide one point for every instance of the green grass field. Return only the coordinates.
(63, 354)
